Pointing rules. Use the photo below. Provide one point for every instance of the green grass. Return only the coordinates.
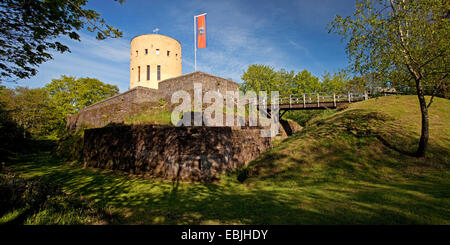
(152, 113)
(350, 167)
(153, 117)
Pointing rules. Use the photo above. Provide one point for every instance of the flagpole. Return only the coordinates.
(195, 45)
(195, 41)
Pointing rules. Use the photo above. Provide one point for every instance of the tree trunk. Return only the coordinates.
(425, 123)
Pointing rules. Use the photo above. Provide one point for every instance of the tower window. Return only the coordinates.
(168, 53)
(139, 73)
(158, 72)
(157, 51)
(148, 72)
(137, 52)
(146, 51)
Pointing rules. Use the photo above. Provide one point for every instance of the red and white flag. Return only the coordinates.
(201, 30)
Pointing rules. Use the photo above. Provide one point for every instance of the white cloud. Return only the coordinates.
(114, 50)
(107, 60)
(240, 41)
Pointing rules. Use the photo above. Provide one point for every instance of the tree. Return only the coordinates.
(70, 94)
(305, 82)
(33, 110)
(43, 111)
(28, 29)
(402, 41)
(259, 78)
(336, 83)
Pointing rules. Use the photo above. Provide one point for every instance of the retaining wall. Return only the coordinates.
(176, 153)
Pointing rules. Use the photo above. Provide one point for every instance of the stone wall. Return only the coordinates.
(112, 113)
(176, 153)
(186, 82)
(117, 108)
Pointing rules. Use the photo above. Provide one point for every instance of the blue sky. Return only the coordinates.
(284, 34)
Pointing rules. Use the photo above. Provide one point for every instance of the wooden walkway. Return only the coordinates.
(316, 101)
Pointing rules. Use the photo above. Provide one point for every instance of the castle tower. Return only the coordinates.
(154, 58)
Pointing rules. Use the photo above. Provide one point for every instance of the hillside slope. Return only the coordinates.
(350, 167)
(381, 132)
(361, 158)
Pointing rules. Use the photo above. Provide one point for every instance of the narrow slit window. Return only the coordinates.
(148, 72)
(137, 52)
(139, 73)
(146, 51)
(158, 74)
(168, 53)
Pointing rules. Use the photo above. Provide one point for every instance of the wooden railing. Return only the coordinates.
(318, 100)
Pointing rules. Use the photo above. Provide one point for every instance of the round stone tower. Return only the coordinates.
(154, 58)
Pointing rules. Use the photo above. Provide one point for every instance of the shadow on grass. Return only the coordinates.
(336, 171)
(326, 201)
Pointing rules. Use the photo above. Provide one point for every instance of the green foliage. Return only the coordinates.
(305, 82)
(394, 40)
(34, 111)
(42, 112)
(259, 78)
(265, 78)
(336, 83)
(71, 94)
(28, 30)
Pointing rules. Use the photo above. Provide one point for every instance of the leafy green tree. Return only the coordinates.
(265, 78)
(34, 111)
(28, 29)
(259, 78)
(305, 82)
(335, 83)
(402, 41)
(70, 94)
(43, 111)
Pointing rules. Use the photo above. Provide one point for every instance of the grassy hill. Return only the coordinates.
(350, 167)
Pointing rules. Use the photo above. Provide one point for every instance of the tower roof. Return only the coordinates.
(154, 34)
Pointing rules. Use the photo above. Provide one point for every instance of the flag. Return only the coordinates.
(201, 31)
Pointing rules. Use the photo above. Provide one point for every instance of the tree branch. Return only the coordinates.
(436, 89)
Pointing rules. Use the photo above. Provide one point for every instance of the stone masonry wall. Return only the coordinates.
(186, 82)
(175, 153)
(117, 108)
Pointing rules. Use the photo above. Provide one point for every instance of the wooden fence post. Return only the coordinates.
(349, 99)
(304, 100)
(290, 100)
(318, 103)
